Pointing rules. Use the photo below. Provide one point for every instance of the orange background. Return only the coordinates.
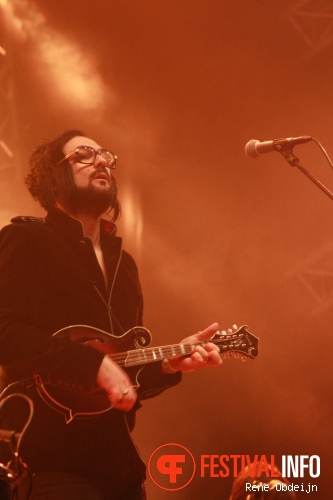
(177, 88)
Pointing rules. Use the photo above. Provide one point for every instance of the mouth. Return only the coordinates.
(102, 176)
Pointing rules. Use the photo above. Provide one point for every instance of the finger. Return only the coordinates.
(208, 332)
(197, 361)
(210, 347)
(200, 353)
(204, 356)
(215, 359)
(124, 400)
(125, 403)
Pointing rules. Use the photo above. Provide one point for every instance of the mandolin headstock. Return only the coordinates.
(241, 342)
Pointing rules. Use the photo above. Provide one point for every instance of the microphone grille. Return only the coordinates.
(251, 150)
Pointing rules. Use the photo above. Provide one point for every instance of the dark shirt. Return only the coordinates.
(50, 279)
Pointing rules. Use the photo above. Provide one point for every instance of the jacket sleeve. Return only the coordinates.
(23, 347)
(153, 381)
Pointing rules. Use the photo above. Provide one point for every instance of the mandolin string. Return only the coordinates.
(152, 354)
(139, 356)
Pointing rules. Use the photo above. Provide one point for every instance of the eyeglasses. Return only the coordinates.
(87, 156)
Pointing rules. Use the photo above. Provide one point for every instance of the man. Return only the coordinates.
(69, 269)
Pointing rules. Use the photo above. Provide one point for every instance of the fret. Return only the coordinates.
(154, 354)
(174, 350)
(136, 357)
(151, 354)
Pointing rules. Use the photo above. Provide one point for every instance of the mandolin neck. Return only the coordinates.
(152, 354)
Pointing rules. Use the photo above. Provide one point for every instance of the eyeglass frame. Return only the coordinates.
(96, 152)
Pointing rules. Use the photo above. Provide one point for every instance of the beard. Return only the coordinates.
(91, 200)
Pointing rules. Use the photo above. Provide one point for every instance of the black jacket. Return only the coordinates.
(50, 279)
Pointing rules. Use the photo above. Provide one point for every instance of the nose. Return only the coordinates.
(100, 161)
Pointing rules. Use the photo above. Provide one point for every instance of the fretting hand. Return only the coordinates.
(203, 356)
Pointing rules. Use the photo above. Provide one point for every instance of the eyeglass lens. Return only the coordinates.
(87, 154)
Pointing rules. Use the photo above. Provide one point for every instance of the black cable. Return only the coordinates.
(16, 470)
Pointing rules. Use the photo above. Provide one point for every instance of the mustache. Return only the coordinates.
(100, 170)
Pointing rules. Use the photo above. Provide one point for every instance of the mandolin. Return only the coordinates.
(78, 403)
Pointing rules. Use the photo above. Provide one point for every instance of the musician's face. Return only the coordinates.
(95, 186)
(96, 174)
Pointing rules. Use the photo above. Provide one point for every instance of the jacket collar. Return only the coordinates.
(71, 228)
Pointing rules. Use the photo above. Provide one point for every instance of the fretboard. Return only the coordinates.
(152, 354)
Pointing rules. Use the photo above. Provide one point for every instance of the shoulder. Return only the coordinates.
(25, 223)
(23, 227)
(27, 219)
(128, 260)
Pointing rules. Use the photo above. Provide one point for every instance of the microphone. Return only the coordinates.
(255, 148)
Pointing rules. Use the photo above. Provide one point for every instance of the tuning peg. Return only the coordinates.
(229, 331)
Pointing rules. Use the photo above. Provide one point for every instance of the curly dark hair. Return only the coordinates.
(46, 181)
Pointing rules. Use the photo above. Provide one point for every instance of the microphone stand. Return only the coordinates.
(293, 160)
